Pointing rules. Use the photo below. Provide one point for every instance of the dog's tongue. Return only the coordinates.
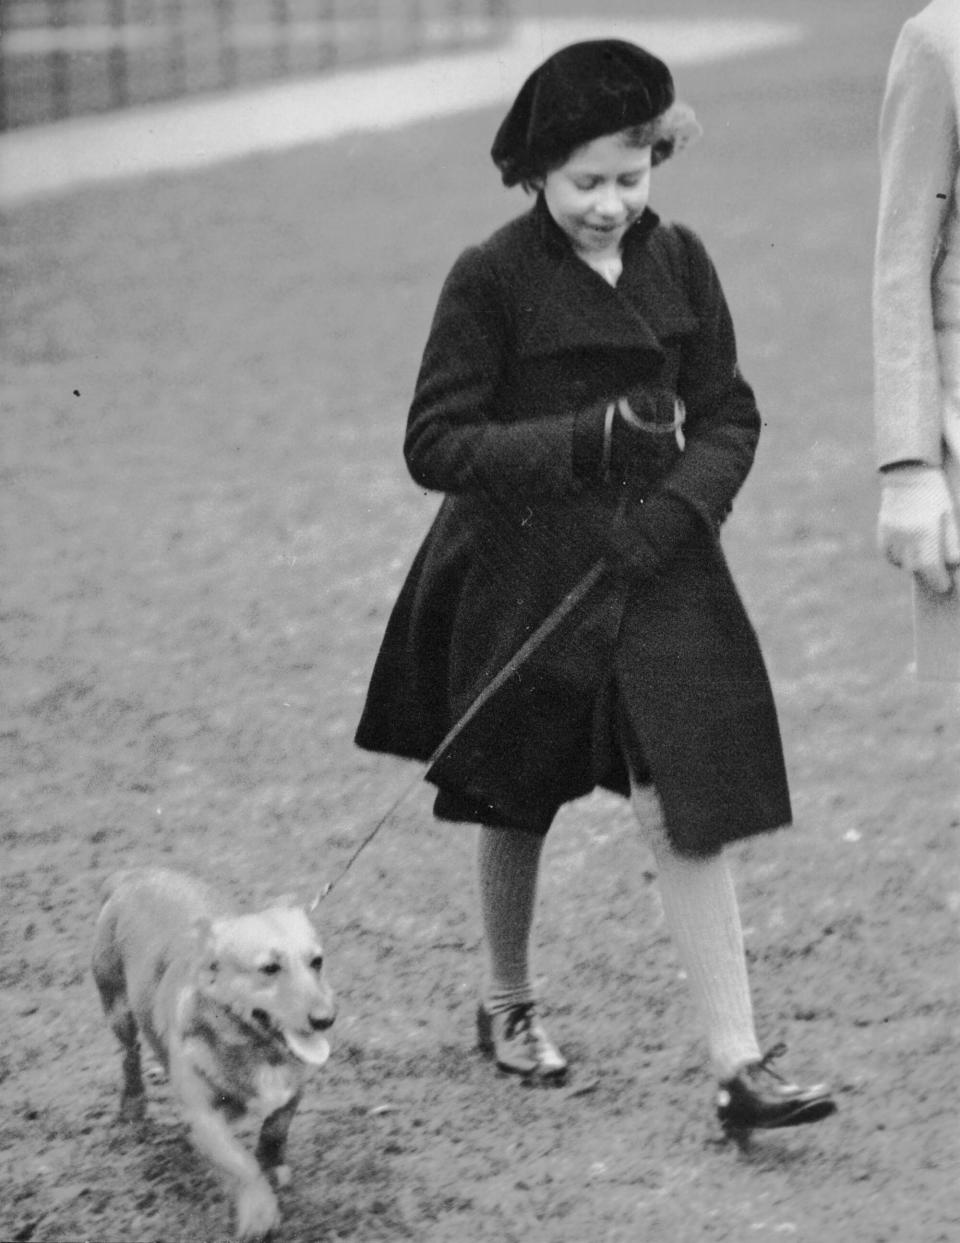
(314, 1050)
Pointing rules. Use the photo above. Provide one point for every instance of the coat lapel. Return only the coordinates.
(569, 306)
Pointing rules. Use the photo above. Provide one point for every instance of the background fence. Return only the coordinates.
(59, 58)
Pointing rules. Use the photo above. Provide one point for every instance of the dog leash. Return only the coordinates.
(561, 613)
(365, 842)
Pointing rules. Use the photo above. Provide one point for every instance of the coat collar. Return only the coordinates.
(569, 306)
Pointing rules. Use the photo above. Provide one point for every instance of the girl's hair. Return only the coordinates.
(665, 135)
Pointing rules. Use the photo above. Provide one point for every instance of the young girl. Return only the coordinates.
(579, 403)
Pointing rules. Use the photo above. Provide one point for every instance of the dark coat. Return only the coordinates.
(525, 335)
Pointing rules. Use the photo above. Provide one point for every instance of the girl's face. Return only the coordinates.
(599, 192)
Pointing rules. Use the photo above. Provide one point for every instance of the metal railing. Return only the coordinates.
(60, 58)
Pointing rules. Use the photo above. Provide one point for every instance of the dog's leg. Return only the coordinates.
(272, 1145)
(257, 1211)
(109, 976)
(133, 1099)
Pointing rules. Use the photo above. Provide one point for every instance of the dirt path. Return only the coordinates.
(206, 518)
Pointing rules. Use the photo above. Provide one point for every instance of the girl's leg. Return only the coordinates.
(508, 1027)
(703, 917)
(509, 867)
(700, 907)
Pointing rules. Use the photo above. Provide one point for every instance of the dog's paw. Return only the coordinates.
(257, 1211)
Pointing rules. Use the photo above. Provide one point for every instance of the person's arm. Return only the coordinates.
(721, 432)
(723, 422)
(455, 441)
(917, 167)
(914, 311)
(946, 317)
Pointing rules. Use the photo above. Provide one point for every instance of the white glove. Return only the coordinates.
(917, 526)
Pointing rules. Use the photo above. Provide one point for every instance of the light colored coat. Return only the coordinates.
(916, 303)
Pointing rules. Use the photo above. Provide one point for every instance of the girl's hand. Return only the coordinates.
(649, 533)
(640, 431)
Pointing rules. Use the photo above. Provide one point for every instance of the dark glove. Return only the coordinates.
(649, 533)
(637, 434)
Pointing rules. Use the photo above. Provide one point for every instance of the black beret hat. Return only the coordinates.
(582, 92)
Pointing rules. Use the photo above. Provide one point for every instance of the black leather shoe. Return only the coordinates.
(519, 1043)
(758, 1098)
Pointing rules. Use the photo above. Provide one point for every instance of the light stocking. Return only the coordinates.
(703, 917)
(508, 869)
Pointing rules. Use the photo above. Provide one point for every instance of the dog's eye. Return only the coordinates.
(270, 968)
(316, 964)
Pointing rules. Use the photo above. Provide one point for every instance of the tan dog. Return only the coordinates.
(232, 1005)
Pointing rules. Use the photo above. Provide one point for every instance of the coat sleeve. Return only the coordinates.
(455, 441)
(918, 167)
(723, 423)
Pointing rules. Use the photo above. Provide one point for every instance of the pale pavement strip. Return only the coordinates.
(44, 160)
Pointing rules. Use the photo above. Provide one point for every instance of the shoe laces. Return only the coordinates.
(772, 1055)
(519, 1020)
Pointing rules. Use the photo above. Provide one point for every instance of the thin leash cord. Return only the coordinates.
(365, 842)
(563, 610)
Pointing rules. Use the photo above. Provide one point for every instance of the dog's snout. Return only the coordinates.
(320, 1023)
(261, 1017)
